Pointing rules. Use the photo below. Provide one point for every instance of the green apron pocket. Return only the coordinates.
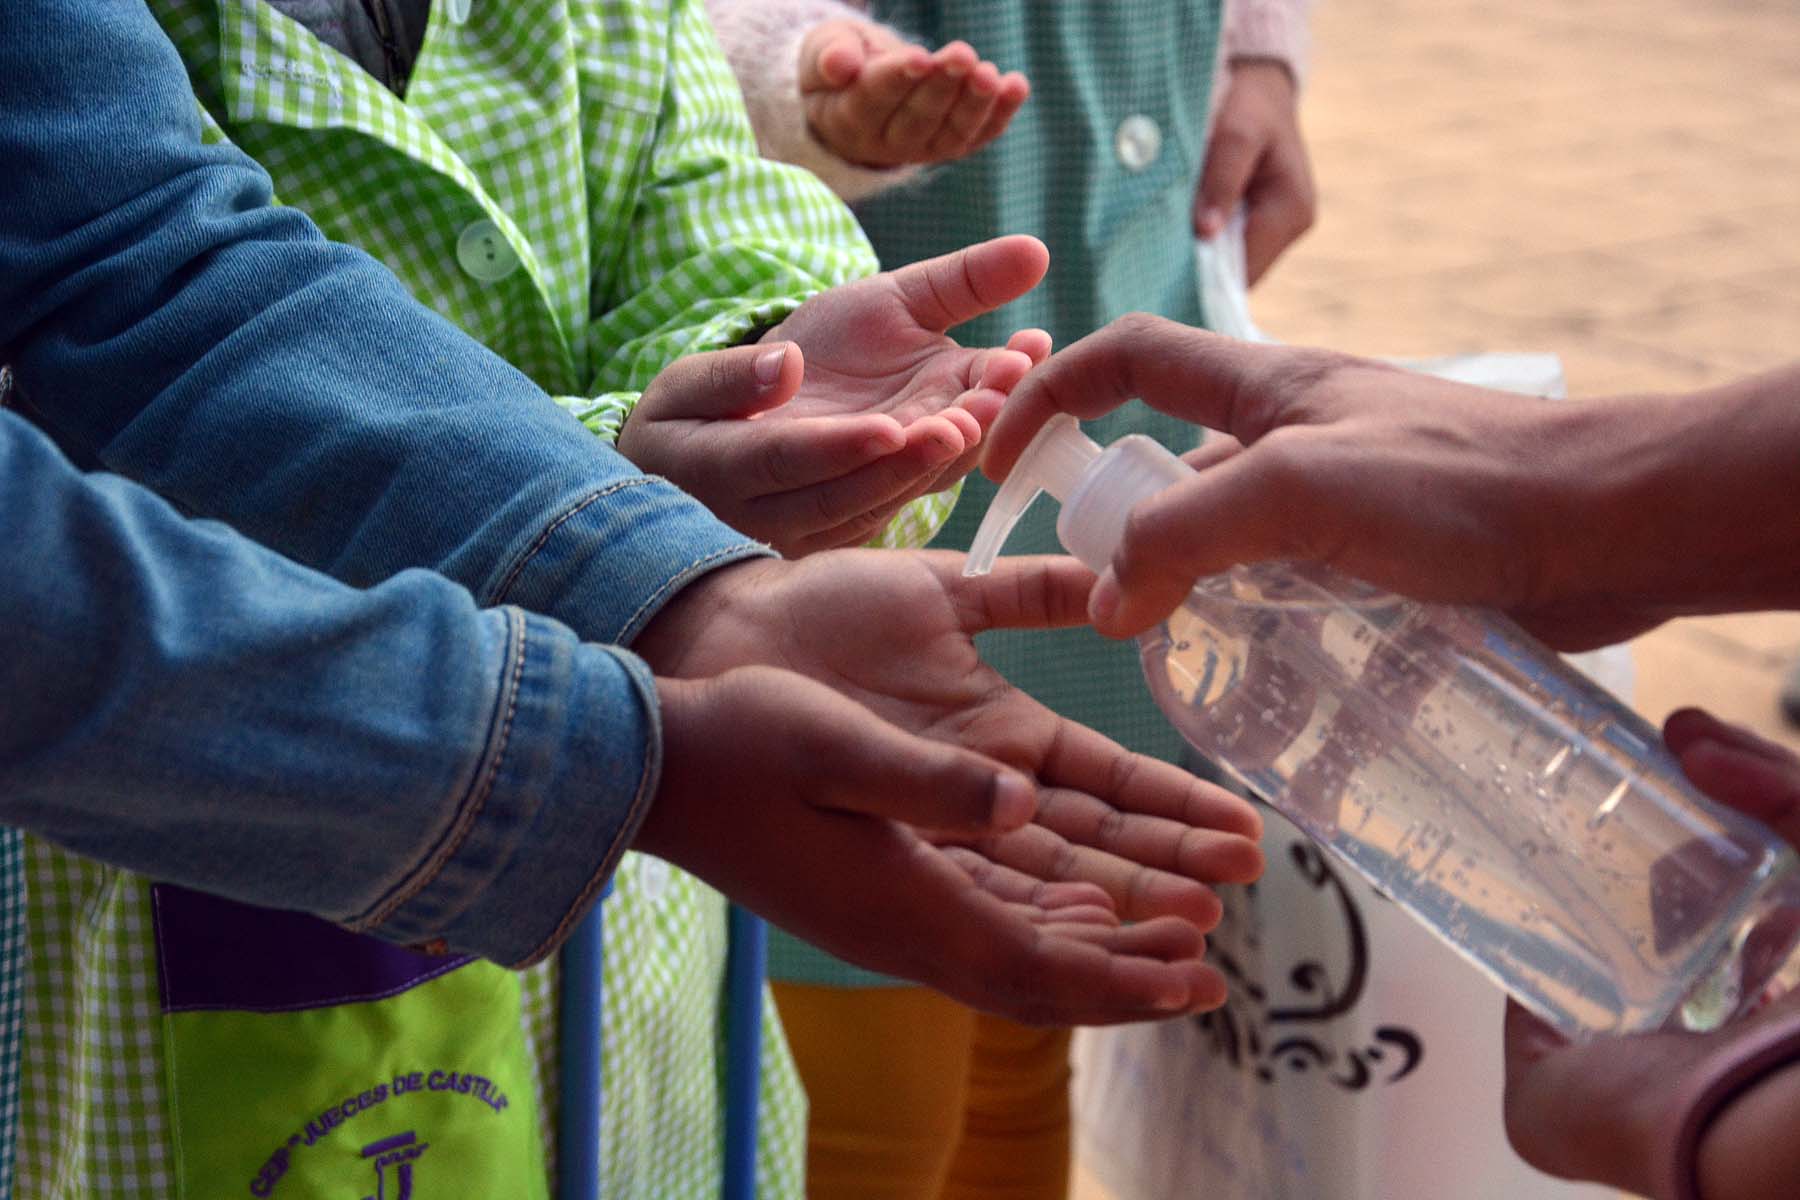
(308, 1063)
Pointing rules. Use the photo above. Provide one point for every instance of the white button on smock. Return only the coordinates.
(653, 877)
(484, 253)
(1137, 142)
(457, 11)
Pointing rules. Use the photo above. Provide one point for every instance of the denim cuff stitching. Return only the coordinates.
(469, 811)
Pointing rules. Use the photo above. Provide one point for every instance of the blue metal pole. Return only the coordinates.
(746, 968)
(578, 1128)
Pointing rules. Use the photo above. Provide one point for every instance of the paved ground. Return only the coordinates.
(1616, 180)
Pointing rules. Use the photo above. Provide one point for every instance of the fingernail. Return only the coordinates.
(1212, 222)
(768, 365)
(1015, 800)
(1103, 601)
(917, 68)
(1173, 998)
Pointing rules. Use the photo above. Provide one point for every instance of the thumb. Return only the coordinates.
(1231, 159)
(959, 286)
(831, 57)
(1231, 513)
(721, 384)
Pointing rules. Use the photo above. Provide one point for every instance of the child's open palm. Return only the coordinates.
(877, 101)
(817, 444)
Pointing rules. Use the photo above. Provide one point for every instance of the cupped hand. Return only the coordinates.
(1605, 1110)
(697, 425)
(878, 101)
(978, 912)
(1257, 157)
(879, 347)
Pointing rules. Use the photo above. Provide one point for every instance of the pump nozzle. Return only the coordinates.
(1054, 463)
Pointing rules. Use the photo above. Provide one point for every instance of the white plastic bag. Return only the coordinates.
(1358, 1057)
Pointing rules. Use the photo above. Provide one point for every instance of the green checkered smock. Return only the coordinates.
(1102, 164)
(575, 184)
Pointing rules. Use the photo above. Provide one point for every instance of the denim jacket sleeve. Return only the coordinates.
(167, 322)
(186, 703)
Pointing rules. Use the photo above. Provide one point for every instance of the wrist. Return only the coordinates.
(1749, 1151)
(1685, 496)
(712, 624)
(1275, 72)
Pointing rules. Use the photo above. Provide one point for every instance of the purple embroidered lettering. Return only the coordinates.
(271, 1173)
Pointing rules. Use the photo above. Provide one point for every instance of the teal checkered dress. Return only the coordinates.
(1077, 169)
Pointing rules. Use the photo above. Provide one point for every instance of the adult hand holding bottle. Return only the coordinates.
(1677, 1116)
(1585, 520)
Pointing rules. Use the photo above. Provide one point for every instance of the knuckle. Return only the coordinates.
(1134, 326)
(776, 463)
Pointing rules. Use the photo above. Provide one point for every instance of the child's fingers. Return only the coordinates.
(1034, 344)
(1137, 891)
(865, 108)
(1016, 887)
(1085, 760)
(773, 456)
(863, 764)
(833, 62)
(920, 116)
(1000, 370)
(856, 496)
(967, 117)
(983, 406)
(1090, 977)
(1012, 93)
(724, 384)
(1206, 855)
(922, 113)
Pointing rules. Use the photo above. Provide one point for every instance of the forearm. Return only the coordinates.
(1682, 501)
(761, 40)
(189, 705)
(170, 324)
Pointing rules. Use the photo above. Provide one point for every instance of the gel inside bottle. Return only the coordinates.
(1491, 790)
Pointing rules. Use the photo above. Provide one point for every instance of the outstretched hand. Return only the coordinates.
(919, 868)
(878, 101)
(879, 346)
(853, 406)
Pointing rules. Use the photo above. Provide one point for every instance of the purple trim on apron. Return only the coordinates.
(219, 954)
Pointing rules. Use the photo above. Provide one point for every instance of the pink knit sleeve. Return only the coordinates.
(761, 39)
(1268, 29)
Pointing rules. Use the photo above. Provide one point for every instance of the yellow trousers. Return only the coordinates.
(915, 1097)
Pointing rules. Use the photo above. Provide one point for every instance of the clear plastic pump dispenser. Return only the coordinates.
(1508, 803)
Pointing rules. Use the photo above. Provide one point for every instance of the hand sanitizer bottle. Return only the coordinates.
(1520, 812)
